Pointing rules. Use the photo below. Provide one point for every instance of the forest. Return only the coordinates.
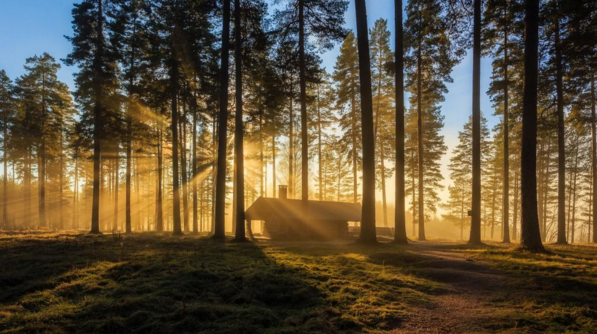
(207, 172)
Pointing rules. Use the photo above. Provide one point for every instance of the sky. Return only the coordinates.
(31, 27)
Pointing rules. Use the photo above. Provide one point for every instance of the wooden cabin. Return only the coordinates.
(289, 218)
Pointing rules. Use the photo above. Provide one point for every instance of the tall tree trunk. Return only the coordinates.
(399, 219)
(42, 160)
(97, 119)
(379, 142)
(183, 155)
(530, 238)
(211, 190)
(593, 157)
(129, 133)
(303, 86)
(76, 196)
(561, 144)
(115, 189)
(354, 148)
(291, 187)
(194, 166)
(590, 213)
(414, 199)
(540, 184)
(201, 206)
(515, 204)
(319, 164)
(462, 218)
(27, 193)
(545, 193)
(420, 150)
(383, 185)
(5, 181)
(569, 204)
(138, 211)
(368, 233)
(506, 125)
(220, 200)
(261, 162)
(475, 237)
(159, 197)
(176, 223)
(493, 196)
(573, 194)
(128, 222)
(239, 168)
(60, 183)
(273, 160)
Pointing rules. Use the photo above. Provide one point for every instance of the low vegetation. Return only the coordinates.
(154, 283)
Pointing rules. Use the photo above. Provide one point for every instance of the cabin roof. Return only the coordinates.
(264, 207)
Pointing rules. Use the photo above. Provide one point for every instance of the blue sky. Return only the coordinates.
(32, 27)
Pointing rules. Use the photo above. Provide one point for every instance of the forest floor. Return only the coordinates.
(150, 283)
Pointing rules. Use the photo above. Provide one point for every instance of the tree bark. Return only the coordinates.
(239, 191)
(116, 172)
(368, 233)
(129, 135)
(420, 147)
(399, 219)
(530, 238)
(475, 237)
(319, 164)
(593, 156)
(354, 149)
(60, 181)
(194, 166)
(159, 206)
(220, 200)
(572, 222)
(506, 125)
(303, 86)
(97, 120)
(76, 196)
(291, 187)
(261, 163)
(5, 181)
(176, 223)
(183, 160)
(561, 144)
(515, 204)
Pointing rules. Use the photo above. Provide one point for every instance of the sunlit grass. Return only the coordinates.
(157, 283)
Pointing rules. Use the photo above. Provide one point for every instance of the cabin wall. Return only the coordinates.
(299, 229)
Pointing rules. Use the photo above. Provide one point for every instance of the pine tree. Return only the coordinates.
(432, 54)
(324, 118)
(347, 81)
(383, 100)
(220, 199)
(7, 110)
(530, 237)
(400, 208)
(322, 20)
(96, 83)
(503, 30)
(46, 99)
(368, 232)
(239, 169)
(128, 35)
(460, 194)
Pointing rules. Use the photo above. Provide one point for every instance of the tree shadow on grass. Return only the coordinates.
(532, 292)
(151, 284)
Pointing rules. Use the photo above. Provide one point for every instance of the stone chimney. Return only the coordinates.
(283, 192)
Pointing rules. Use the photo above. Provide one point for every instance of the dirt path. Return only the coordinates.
(466, 305)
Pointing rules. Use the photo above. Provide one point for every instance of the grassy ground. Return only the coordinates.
(150, 283)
